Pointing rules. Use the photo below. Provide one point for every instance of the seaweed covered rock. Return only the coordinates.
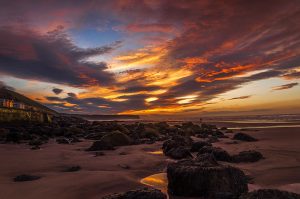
(145, 193)
(199, 179)
(179, 153)
(219, 153)
(247, 156)
(116, 138)
(269, 193)
(244, 137)
(175, 142)
(196, 146)
(110, 140)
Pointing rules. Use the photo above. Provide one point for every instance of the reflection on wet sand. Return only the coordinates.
(158, 181)
(159, 152)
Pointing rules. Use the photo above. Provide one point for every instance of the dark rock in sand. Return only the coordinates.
(99, 145)
(145, 193)
(213, 139)
(148, 132)
(219, 134)
(110, 140)
(25, 177)
(196, 146)
(270, 194)
(219, 153)
(35, 147)
(207, 159)
(244, 137)
(195, 179)
(175, 142)
(247, 156)
(124, 166)
(63, 141)
(116, 138)
(35, 142)
(99, 153)
(72, 169)
(179, 153)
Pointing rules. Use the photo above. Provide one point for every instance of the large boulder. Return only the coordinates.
(247, 156)
(116, 138)
(244, 137)
(145, 193)
(110, 140)
(196, 146)
(219, 153)
(179, 153)
(201, 179)
(269, 194)
(99, 146)
(149, 132)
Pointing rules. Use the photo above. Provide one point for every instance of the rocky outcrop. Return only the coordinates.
(145, 193)
(205, 179)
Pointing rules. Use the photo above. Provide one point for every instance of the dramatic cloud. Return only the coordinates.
(52, 58)
(285, 86)
(176, 56)
(57, 91)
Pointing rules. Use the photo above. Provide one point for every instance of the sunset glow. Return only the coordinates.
(153, 57)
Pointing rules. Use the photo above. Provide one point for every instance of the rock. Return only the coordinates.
(247, 156)
(179, 153)
(72, 169)
(269, 194)
(144, 193)
(196, 146)
(195, 179)
(124, 166)
(207, 159)
(123, 153)
(219, 134)
(25, 177)
(35, 147)
(176, 142)
(116, 138)
(99, 146)
(219, 153)
(213, 139)
(35, 142)
(244, 137)
(99, 153)
(95, 136)
(148, 132)
(63, 141)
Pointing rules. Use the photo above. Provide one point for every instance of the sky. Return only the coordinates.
(154, 58)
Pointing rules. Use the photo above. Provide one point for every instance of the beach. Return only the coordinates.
(122, 169)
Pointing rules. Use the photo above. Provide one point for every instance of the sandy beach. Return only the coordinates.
(102, 175)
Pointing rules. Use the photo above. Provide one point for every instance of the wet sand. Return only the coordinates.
(103, 175)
